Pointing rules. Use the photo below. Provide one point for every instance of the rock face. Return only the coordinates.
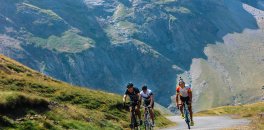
(233, 71)
(107, 43)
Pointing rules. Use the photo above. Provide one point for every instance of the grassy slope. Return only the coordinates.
(70, 41)
(67, 40)
(250, 111)
(29, 100)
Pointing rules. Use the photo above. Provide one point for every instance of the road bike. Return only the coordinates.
(147, 119)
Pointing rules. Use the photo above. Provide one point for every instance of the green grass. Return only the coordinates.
(182, 10)
(49, 13)
(250, 111)
(125, 28)
(70, 41)
(30, 100)
(120, 12)
(165, 1)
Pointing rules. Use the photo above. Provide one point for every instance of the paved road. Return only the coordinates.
(207, 123)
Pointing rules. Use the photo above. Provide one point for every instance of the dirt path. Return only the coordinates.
(207, 123)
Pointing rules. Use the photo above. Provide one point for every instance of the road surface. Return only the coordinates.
(207, 123)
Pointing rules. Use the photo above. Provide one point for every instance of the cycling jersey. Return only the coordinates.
(146, 96)
(184, 92)
(133, 96)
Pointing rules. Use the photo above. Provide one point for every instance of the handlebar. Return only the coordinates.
(129, 103)
(146, 106)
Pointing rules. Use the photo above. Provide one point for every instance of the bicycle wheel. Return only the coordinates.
(147, 125)
(187, 120)
(187, 117)
(137, 126)
(147, 122)
(133, 121)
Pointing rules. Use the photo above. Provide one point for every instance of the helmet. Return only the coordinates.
(144, 87)
(181, 80)
(130, 85)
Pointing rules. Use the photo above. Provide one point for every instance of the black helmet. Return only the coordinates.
(144, 87)
(130, 85)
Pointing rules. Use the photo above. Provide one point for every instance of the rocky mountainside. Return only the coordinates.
(233, 71)
(108, 43)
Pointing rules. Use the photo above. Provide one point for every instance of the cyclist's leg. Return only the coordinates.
(152, 113)
(130, 109)
(181, 105)
(131, 116)
(138, 111)
(144, 111)
(147, 103)
(190, 110)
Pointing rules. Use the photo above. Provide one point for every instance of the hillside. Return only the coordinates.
(250, 111)
(30, 100)
(216, 45)
(233, 72)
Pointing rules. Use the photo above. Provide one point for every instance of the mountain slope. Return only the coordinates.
(29, 100)
(108, 43)
(234, 70)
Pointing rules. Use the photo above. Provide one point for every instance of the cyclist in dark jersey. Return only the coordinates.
(134, 96)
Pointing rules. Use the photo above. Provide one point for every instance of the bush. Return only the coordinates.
(16, 105)
(16, 68)
(30, 125)
(6, 122)
(44, 89)
(49, 125)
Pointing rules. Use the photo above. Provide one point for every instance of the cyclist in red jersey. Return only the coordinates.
(184, 92)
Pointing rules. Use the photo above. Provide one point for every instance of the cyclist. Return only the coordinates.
(148, 98)
(185, 93)
(134, 96)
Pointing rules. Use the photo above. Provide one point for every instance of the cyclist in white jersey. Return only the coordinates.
(148, 100)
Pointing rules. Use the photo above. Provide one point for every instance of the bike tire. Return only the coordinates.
(133, 122)
(188, 121)
(147, 122)
(187, 118)
(189, 126)
(147, 126)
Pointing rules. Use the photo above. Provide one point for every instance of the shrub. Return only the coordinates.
(6, 122)
(16, 105)
(16, 68)
(30, 125)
